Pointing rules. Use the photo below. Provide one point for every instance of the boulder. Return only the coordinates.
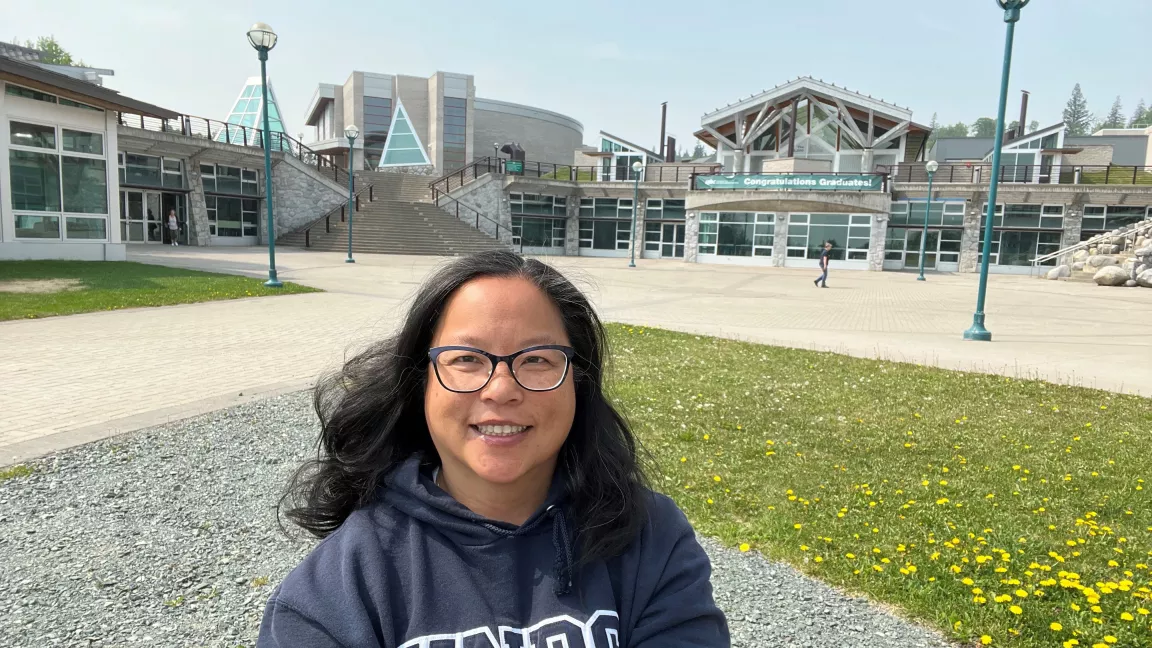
(1110, 276)
(1145, 279)
(1117, 241)
(1093, 251)
(1080, 255)
(1141, 241)
(1100, 261)
(1131, 283)
(1143, 252)
(1060, 272)
(1109, 249)
(1078, 266)
(1141, 268)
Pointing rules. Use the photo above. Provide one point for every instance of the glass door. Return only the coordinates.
(153, 225)
(132, 216)
(169, 202)
(672, 241)
(912, 249)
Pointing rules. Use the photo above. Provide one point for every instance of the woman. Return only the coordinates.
(173, 227)
(476, 488)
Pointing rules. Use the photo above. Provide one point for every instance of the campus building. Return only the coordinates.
(430, 125)
(808, 162)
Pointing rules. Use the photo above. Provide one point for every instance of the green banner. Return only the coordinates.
(514, 166)
(800, 182)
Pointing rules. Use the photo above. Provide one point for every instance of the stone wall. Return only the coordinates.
(487, 196)
(572, 228)
(1090, 156)
(198, 233)
(300, 195)
(970, 239)
(876, 243)
(780, 240)
(691, 236)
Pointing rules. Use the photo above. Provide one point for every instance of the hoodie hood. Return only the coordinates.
(411, 489)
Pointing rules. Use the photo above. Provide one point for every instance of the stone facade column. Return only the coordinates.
(572, 227)
(970, 239)
(691, 236)
(1073, 225)
(638, 235)
(877, 242)
(198, 233)
(780, 240)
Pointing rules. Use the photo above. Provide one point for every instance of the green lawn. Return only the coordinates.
(570, 173)
(111, 285)
(1117, 176)
(997, 510)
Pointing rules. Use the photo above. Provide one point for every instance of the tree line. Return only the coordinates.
(1077, 117)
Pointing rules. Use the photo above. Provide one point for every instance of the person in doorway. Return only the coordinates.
(475, 481)
(825, 257)
(173, 226)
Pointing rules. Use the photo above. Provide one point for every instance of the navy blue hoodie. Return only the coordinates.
(418, 569)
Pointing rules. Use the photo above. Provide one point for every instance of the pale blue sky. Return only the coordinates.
(610, 64)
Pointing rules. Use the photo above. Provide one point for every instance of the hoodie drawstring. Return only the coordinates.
(561, 545)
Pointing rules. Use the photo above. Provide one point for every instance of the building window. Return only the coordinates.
(36, 95)
(232, 217)
(744, 234)
(61, 175)
(529, 229)
(1026, 216)
(1016, 248)
(455, 133)
(150, 171)
(1105, 218)
(377, 118)
(939, 214)
(604, 223)
(664, 209)
(234, 181)
(849, 235)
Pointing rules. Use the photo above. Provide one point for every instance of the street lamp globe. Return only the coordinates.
(1012, 4)
(352, 132)
(932, 166)
(261, 36)
(636, 166)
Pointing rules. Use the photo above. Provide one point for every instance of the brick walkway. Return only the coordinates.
(69, 380)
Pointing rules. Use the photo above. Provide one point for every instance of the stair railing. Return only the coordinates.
(359, 188)
(1134, 233)
(475, 214)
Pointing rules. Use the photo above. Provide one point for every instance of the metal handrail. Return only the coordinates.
(1063, 174)
(437, 194)
(327, 218)
(226, 133)
(669, 173)
(1137, 229)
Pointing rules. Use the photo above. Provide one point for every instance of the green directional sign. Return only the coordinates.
(514, 166)
(800, 182)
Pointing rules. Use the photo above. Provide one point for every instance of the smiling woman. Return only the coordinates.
(474, 481)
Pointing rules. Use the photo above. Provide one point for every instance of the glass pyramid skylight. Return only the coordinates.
(247, 112)
(403, 147)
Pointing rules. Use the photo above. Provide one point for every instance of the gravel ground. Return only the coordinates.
(168, 537)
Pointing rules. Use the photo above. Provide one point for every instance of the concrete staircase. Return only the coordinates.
(400, 220)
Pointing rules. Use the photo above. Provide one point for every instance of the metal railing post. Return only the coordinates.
(1107, 174)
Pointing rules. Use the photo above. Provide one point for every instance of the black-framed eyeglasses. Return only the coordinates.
(465, 370)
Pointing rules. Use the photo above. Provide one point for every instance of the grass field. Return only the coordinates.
(1000, 511)
(1118, 176)
(86, 286)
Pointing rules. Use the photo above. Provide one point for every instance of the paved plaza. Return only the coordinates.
(69, 380)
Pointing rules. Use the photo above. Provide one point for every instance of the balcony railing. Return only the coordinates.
(1064, 174)
(669, 173)
(226, 133)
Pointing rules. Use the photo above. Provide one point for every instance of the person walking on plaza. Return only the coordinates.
(825, 257)
(173, 226)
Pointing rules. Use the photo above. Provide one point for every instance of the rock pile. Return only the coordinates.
(1114, 259)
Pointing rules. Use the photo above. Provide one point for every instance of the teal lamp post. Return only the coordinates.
(637, 167)
(931, 169)
(1011, 16)
(263, 39)
(351, 133)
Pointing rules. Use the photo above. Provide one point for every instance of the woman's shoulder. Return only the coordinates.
(666, 524)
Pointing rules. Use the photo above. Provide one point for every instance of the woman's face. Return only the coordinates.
(499, 315)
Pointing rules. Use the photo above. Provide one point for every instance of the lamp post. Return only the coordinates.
(1011, 16)
(496, 157)
(637, 167)
(351, 133)
(263, 39)
(931, 168)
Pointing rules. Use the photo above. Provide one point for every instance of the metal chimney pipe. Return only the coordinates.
(1020, 128)
(663, 124)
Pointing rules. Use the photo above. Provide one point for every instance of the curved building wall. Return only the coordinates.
(546, 136)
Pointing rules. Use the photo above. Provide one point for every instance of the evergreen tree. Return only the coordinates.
(1034, 126)
(984, 127)
(51, 52)
(1076, 116)
(1115, 117)
(1138, 117)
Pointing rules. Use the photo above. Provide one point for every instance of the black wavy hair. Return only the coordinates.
(372, 417)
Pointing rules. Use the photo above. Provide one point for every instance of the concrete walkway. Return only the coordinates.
(69, 380)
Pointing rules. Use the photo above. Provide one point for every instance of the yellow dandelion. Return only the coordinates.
(986, 640)
(1055, 627)
(1015, 609)
(797, 526)
(683, 459)
(818, 559)
(877, 568)
(709, 500)
(745, 546)
(1127, 616)
(716, 478)
(1110, 639)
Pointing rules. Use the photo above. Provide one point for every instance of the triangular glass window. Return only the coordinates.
(403, 147)
(247, 112)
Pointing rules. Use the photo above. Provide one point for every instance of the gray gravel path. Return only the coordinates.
(167, 537)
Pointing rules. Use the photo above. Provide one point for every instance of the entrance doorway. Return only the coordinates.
(663, 240)
(144, 216)
(941, 251)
